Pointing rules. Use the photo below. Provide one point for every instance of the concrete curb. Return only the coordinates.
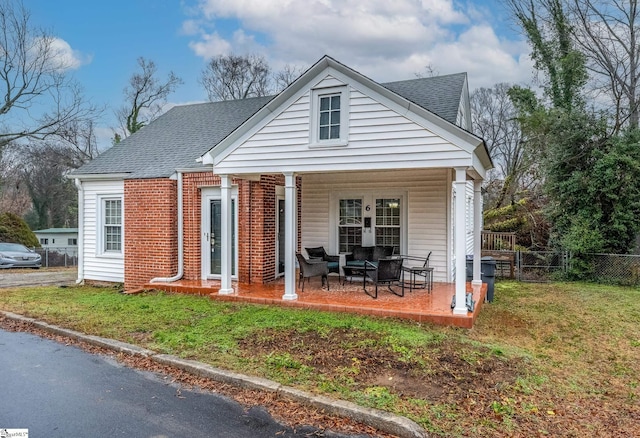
(384, 421)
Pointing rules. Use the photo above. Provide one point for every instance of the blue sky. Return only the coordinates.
(383, 39)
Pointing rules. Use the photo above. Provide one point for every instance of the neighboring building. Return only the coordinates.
(62, 240)
(231, 190)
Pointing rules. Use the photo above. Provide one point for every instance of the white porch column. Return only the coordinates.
(290, 238)
(460, 241)
(477, 232)
(226, 235)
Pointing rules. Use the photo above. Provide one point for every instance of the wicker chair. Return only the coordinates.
(333, 261)
(386, 271)
(312, 268)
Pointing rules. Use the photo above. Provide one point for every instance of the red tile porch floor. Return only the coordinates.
(418, 305)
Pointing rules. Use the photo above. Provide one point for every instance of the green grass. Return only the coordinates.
(557, 358)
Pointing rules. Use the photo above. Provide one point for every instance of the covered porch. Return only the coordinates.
(391, 173)
(418, 305)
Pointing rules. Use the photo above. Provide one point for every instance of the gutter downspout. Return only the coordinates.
(78, 184)
(180, 272)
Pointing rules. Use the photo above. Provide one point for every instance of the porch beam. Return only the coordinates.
(226, 236)
(460, 241)
(290, 240)
(477, 233)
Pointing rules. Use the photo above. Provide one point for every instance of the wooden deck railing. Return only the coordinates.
(494, 241)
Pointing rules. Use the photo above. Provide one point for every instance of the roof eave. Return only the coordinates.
(98, 176)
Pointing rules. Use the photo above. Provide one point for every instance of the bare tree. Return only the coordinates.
(39, 96)
(608, 34)
(287, 76)
(429, 72)
(53, 197)
(229, 77)
(145, 98)
(79, 143)
(14, 197)
(494, 118)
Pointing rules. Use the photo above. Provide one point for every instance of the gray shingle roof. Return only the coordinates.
(439, 94)
(184, 133)
(174, 140)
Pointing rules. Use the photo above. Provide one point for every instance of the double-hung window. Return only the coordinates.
(329, 126)
(329, 117)
(112, 225)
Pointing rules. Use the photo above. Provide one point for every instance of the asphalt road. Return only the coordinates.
(55, 390)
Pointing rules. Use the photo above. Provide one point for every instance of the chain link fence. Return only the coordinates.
(545, 266)
(621, 269)
(541, 266)
(58, 257)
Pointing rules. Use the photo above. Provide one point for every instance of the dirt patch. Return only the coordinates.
(436, 373)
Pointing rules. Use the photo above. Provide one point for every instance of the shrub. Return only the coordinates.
(14, 229)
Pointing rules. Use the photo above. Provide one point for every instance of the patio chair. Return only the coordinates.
(424, 271)
(386, 271)
(312, 268)
(333, 261)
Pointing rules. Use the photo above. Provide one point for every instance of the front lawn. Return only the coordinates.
(543, 359)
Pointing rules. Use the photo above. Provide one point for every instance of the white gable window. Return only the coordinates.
(329, 117)
(329, 128)
(110, 241)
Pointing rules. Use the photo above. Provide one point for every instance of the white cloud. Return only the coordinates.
(210, 45)
(65, 58)
(385, 40)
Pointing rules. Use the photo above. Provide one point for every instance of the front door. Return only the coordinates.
(215, 240)
(211, 234)
(280, 238)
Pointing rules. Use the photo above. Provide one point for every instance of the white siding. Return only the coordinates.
(96, 266)
(378, 137)
(426, 203)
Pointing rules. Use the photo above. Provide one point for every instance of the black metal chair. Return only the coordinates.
(385, 271)
(333, 261)
(312, 268)
(424, 271)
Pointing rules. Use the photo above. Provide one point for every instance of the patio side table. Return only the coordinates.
(414, 271)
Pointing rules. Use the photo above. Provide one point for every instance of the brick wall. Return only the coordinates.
(150, 230)
(151, 227)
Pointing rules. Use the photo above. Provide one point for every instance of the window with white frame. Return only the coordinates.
(112, 225)
(388, 222)
(329, 125)
(329, 117)
(71, 241)
(350, 224)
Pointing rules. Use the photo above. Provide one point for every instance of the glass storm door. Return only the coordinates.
(280, 243)
(215, 237)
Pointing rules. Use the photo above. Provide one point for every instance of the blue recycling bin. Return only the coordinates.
(487, 273)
